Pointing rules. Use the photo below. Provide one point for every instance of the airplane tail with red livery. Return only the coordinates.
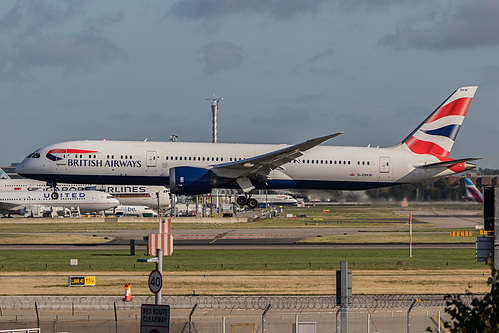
(435, 136)
(437, 133)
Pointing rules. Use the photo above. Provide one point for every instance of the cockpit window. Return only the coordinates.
(34, 155)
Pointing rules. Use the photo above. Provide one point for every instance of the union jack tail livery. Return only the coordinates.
(436, 134)
(472, 193)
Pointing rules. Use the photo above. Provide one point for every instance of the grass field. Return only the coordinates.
(242, 260)
(245, 272)
(238, 272)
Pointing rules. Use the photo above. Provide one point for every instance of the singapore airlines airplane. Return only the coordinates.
(24, 201)
(197, 168)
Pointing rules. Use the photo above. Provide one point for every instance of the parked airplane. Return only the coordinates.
(132, 195)
(197, 168)
(139, 195)
(274, 199)
(140, 211)
(24, 201)
(472, 193)
(3, 175)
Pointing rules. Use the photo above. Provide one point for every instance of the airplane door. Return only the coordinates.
(384, 164)
(60, 156)
(151, 158)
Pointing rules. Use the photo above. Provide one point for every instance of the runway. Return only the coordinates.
(272, 238)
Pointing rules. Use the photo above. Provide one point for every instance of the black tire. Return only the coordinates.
(241, 201)
(252, 203)
(54, 195)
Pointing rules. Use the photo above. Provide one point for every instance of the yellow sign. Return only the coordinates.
(461, 234)
(81, 281)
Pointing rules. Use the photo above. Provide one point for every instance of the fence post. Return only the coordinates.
(263, 317)
(409, 316)
(438, 321)
(115, 319)
(190, 317)
(37, 316)
(337, 321)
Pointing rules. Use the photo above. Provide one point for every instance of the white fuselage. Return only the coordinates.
(275, 199)
(136, 211)
(87, 201)
(129, 195)
(148, 163)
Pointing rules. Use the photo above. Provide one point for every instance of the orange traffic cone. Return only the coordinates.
(128, 292)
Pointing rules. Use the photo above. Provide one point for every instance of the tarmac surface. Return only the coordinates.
(278, 238)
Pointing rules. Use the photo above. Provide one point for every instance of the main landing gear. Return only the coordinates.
(244, 200)
(54, 195)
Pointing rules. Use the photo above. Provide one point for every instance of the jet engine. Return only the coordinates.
(186, 180)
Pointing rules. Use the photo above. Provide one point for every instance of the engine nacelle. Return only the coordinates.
(186, 180)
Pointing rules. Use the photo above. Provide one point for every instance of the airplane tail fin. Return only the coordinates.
(3, 175)
(436, 134)
(472, 192)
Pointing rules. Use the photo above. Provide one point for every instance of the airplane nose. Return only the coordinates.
(20, 168)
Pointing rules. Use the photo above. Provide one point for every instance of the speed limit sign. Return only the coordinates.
(155, 281)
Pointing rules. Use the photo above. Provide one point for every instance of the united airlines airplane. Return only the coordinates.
(87, 201)
(129, 195)
(197, 168)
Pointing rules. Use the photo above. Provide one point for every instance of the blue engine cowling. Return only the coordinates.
(186, 180)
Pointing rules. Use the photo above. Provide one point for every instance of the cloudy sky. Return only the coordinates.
(288, 70)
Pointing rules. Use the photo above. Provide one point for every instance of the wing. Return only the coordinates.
(4, 205)
(259, 167)
(446, 163)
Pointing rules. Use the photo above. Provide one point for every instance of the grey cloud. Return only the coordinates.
(30, 17)
(31, 36)
(474, 24)
(490, 75)
(220, 56)
(315, 60)
(78, 51)
(369, 5)
(212, 9)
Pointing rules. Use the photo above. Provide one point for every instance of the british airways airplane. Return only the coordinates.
(197, 168)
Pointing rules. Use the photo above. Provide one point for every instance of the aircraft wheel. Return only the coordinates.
(54, 195)
(252, 203)
(241, 201)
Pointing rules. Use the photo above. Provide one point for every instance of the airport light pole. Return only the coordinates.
(214, 110)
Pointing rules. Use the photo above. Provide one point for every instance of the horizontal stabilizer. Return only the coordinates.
(446, 163)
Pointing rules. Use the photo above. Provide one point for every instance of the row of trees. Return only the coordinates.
(439, 190)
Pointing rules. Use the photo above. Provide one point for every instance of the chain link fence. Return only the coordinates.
(286, 314)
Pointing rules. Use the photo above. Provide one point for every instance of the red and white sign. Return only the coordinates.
(160, 241)
(155, 281)
(165, 226)
(163, 240)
